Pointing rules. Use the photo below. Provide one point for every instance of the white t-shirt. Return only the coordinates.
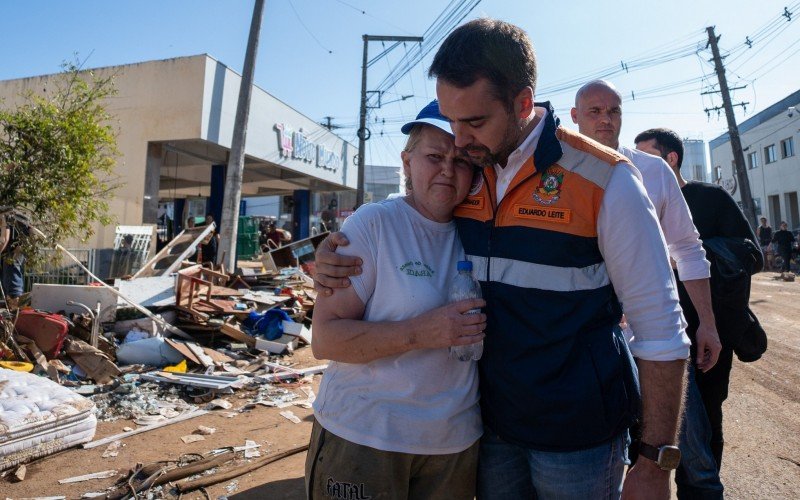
(683, 240)
(419, 402)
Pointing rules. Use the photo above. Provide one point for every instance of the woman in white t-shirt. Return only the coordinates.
(395, 416)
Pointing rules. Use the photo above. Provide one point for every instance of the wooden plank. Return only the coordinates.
(123, 435)
(190, 237)
(235, 333)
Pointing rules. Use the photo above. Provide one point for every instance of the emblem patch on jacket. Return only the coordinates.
(549, 189)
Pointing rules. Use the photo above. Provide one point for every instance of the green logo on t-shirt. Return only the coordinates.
(417, 268)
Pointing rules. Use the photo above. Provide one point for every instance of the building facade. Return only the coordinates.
(769, 140)
(174, 121)
(694, 164)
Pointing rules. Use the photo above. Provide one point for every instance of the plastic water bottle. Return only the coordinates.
(465, 286)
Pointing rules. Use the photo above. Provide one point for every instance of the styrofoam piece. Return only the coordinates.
(53, 298)
(277, 346)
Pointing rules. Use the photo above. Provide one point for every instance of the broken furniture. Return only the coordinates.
(297, 254)
(194, 288)
(169, 259)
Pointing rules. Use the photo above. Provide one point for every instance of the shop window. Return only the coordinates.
(752, 160)
(787, 147)
(769, 154)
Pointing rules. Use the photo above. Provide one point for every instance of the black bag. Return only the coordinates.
(733, 261)
(753, 342)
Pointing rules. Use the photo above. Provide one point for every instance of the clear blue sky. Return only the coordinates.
(310, 51)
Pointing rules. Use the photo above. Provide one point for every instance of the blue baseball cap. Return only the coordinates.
(429, 115)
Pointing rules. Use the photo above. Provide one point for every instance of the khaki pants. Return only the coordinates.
(341, 470)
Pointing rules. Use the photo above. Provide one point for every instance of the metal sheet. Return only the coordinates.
(192, 379)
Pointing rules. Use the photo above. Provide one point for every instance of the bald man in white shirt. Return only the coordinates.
(598, 113)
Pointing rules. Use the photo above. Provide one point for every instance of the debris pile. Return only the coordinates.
(172, 341)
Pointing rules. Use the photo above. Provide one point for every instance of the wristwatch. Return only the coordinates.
(667, 457)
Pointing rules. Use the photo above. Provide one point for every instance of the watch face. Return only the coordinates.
(669, 457)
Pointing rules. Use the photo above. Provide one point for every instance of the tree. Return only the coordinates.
(57, 157)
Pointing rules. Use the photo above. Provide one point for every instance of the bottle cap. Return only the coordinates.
(464, 265)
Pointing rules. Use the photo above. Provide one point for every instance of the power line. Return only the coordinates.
(311, 34)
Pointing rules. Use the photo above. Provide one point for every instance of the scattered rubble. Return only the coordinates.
(156, 348)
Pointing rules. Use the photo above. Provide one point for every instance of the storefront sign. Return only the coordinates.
(729, 185)
(295, 144)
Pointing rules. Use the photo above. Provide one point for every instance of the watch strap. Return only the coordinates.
(648, 451)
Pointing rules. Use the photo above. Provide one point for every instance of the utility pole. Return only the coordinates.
(328, 124)
(733, 132)
(233, 180)
(363, 132)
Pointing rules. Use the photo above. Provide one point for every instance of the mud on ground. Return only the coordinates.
(762, 427)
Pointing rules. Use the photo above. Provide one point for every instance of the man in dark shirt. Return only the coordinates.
(784, 239)
(208, 248)
(714, 213)
(764, 233)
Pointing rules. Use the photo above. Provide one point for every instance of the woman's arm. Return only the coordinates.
(341, 335)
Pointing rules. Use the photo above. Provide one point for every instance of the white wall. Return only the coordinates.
(774, 179)
(219, 114)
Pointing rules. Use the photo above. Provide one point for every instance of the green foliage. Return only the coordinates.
(57, 157)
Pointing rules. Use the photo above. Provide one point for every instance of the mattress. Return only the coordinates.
(39, 417)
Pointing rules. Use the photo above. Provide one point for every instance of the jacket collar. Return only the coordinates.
(548, 151)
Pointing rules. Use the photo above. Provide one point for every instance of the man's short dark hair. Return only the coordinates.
(667, 141)
(487, 48)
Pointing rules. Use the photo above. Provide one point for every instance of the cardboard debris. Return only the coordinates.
(112, 450)
(219, 403)
(19, 473)
(199, 355)
(205, 431)
(191, 438)
(290, 416)
(236, 333)
(42, 364)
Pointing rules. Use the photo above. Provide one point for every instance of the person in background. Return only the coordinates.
(783, 239)
(209, 246)
(276, 237)
(598, 113)
(764, 233)
(11, 262)
(395, 416)
(715, 214)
